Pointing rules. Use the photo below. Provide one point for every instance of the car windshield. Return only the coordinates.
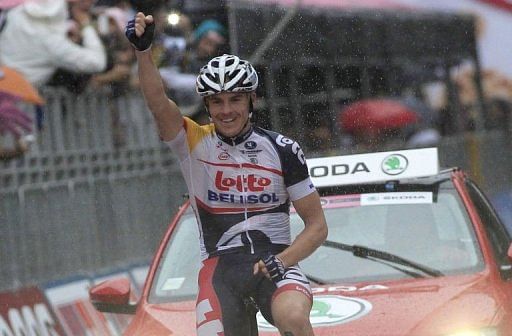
(370, 236)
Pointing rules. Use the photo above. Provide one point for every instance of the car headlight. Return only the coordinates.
(476, 332)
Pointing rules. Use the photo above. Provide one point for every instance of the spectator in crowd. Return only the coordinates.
(35, 42)
(121, 60)
(119, 52)
(321, 138)
(170, 41)
(378, 123)
(172, 36)
(497, 95)
(74, 82)
(424, 132)
(207, 40)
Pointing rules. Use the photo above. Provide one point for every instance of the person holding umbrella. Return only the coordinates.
(372, 123)
(34, 41)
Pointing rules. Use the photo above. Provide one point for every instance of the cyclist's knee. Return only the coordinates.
(290, 311)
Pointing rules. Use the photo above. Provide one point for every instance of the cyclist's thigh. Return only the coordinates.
(294, 280)
(219, 307)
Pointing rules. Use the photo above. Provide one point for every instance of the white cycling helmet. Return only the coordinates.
(226, 73)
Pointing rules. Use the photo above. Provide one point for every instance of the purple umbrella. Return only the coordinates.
(12, 119)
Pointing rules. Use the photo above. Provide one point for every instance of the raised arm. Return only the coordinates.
(167, 115)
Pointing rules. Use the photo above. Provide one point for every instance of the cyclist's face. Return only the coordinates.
(229, 112)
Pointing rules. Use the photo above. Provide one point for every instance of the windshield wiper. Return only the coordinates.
(377, 255)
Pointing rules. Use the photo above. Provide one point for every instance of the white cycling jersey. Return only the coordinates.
(240, 189)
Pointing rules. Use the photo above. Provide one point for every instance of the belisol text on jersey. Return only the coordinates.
(242, 199)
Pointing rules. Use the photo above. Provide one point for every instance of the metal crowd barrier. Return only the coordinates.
(94, 120)
(85, 198)
(57, 229)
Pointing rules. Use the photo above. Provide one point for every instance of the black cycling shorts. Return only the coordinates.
(230, 295)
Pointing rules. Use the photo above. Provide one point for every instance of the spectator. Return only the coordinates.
(208, 40)
(34, 41)
(321, 139)
(424, 132)
(497, 92)
(121, 60)
(75, 82)
(119, 52)
(375, 124)
(172, 36)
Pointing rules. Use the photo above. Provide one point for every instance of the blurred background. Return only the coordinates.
(86, 187)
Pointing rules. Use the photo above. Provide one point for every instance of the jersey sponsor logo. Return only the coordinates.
(241, 183)
(250, 145)
(284, 141)
(223, 156)
(252, 151)
(242, 199)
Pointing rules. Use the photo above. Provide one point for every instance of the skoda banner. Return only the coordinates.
(373, 167)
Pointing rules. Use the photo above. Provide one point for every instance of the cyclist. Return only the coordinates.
(241, 180)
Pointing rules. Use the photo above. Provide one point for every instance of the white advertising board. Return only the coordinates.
(373, 167)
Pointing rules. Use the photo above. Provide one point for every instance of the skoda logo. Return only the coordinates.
(394, 164)
(329, 310)
(250, 145)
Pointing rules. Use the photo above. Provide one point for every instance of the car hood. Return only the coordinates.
(434, 306)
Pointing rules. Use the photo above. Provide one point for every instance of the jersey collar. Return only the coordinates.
(237, 139)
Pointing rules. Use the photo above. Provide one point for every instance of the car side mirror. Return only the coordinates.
(509, 253)
(112, 296)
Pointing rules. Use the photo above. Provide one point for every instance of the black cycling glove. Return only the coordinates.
(275, 267)
(143, 42)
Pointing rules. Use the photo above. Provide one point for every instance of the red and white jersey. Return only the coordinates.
(240, 189)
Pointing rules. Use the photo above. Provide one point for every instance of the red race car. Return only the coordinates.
(411, 251)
